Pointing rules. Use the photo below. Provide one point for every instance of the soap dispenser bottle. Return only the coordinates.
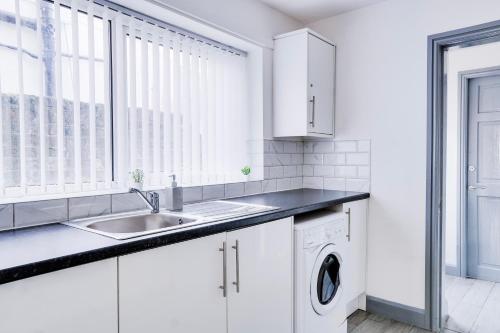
(174, 200)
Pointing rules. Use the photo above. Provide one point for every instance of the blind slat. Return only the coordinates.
(156, 109)
(92, 103)
(121, 103)
(177, 142)
(145, 104)
(166, 107)
(59, 97)
(133, 97)
(108, 172)
(20, 78)
(195, 106)
(186, 112)
(204, 114)
(76, 98)
(41, 109)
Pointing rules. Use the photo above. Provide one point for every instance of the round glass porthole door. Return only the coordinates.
(326, 284)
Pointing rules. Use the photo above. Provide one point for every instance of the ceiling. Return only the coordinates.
(308, 11)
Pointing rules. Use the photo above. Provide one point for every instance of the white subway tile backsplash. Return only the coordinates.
(323, 171)
(323, 147)
(211, 192)
(345, 146)
(89, 206)
(296, 183)
(344, 171)
(335, 159)
(6, 217)
(290, 147)
(290, 171)
(284, 159)
(313, 158)
(40, 212)
(192, 194)
(235, 190)
(333, 165)
(337, 184)
(308, 170)
(276, 172)
(269, 185)
(253, 187)
(313, 182)
(126, 202)
(283, 184)
(357, 158)
(297, 159)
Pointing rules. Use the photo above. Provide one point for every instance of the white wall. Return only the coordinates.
(459, 60)
(381, 94)
(227, 21)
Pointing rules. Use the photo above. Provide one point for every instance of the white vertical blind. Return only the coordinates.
(111, 93)
(196, 97)
(56, 139)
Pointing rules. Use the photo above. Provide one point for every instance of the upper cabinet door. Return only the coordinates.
(304, 78)
(260, 278)
(321, 59)
(174, 289)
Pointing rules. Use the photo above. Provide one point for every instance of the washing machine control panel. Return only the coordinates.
(329, 232)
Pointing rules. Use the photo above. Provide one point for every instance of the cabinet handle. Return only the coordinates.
(348, 224)
(313, 101)
(224, 270)
(237, 282)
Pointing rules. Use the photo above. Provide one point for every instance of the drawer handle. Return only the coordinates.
(313, 101)
(348, 224)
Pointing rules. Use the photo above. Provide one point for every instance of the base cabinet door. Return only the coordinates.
(260, 278)
(357, 214)
(80, 299)
(174, 289)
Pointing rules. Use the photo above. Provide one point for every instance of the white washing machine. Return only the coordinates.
(320, 269)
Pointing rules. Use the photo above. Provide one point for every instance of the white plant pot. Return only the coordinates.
(137, 186)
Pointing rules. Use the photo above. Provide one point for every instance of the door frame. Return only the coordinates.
(436, 114)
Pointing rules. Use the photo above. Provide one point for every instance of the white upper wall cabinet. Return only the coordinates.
(304, 85)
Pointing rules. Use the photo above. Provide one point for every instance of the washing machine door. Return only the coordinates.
(326, 280)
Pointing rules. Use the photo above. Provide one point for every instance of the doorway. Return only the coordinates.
(463, 297)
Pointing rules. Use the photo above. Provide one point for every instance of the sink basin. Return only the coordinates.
(130, 225)
(141, 223)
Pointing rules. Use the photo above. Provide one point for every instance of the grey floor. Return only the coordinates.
(473, 307)
(362, 322)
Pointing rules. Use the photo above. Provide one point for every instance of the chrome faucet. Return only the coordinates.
(153, 202)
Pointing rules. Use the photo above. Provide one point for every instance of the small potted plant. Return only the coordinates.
(246, 171)
(137, 178)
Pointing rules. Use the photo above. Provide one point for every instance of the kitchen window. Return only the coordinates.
(91, 91)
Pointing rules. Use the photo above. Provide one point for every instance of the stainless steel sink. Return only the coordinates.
(124, 226)
(130, 225)
(140, 223)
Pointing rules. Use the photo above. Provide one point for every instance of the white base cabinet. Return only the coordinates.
(80, 299)
(195, 286)
(260, 264)
(357, 215)
(174, 288)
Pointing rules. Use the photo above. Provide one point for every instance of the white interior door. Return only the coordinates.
(174, 289)
(260, 278)
(321, 63)
(483, 225)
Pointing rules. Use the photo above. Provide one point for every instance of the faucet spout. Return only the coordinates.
(153, 202)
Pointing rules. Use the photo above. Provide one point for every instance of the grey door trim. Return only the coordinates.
(436, 47)
(464, 78)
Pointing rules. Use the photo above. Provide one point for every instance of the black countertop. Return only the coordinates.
(32, 251)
